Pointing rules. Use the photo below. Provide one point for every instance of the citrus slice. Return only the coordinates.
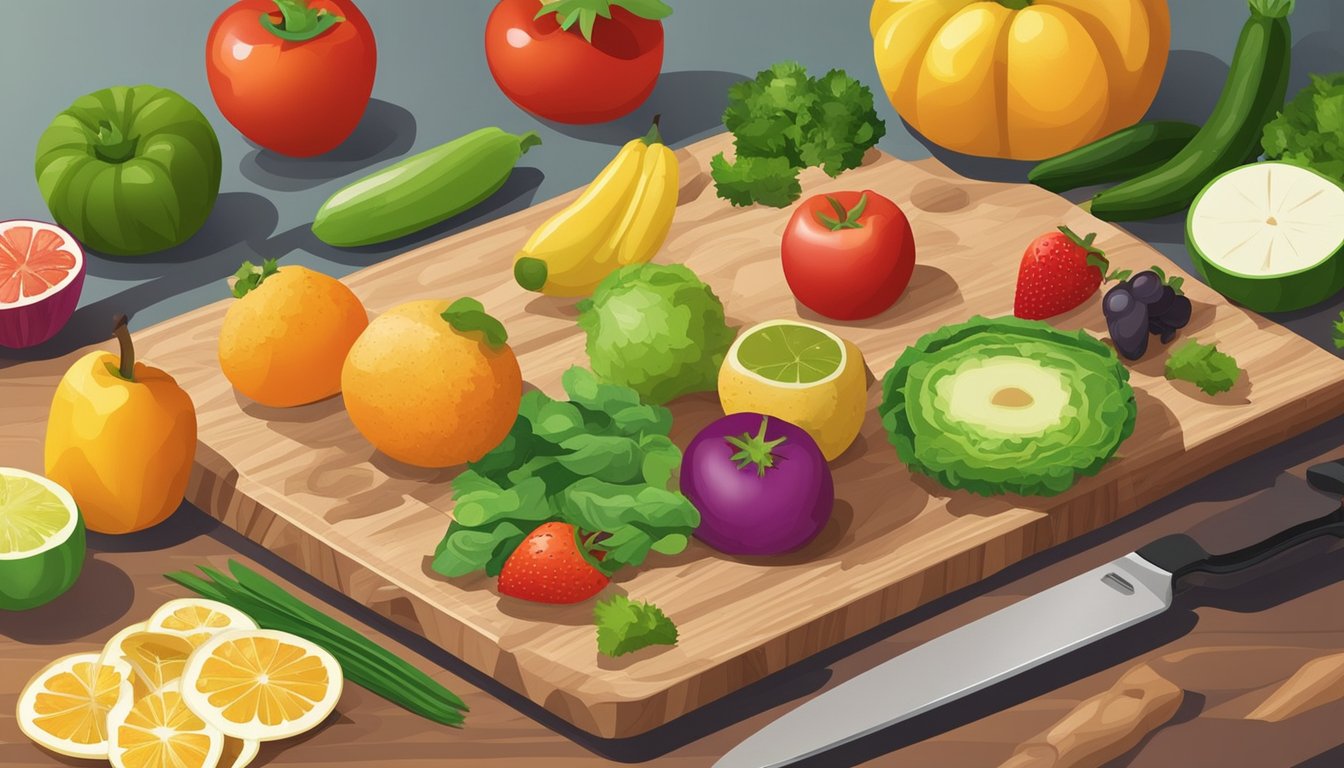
(157, 658)
(41, 540)
(261, 684)
(64, 708)
(1270, 236)
(238, 753)
(801, 373)
(159, 731)
(114, 656)
(197, 619)
(41, 276)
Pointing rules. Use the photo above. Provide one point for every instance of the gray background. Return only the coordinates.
(433, 85)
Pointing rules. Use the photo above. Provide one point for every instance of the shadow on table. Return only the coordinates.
(691, 104)
(386, 131)
(102, 595)
(236, 230)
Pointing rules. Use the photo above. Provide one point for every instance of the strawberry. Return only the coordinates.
(1059, 272)
(549, 567)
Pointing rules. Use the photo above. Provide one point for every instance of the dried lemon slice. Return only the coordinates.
(65, 706)
(261, 684)
(159, 731)
(198, 619)
(157, 658)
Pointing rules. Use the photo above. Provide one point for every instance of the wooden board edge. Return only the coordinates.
(213, 488)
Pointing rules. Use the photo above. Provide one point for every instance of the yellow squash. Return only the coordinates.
(122, 445)
(1021, 79)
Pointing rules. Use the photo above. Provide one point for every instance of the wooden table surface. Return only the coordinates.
(1227, 642)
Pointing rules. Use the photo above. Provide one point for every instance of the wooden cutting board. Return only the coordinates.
(303, 482)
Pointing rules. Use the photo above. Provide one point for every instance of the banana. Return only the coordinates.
(621, 218)
(653, 216)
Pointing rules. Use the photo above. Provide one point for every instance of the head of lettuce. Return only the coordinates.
(657, 329)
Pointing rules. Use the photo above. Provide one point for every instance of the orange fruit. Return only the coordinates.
(285, 338)
(433, 384)
(65, 706)
(261, 684)
(41, 276)
(198, 619)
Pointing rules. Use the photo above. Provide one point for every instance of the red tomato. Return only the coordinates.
(299, 93)
(556, 74)
(850, 265)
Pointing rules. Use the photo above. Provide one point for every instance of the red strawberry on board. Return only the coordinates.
(1059, 271)
(548, 567)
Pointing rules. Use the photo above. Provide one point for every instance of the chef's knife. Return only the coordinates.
(1042, 627)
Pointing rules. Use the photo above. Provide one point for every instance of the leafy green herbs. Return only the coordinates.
(1310, 129)
(784, 121)
(1339, 332)
(600, 461)
(769, 181)
(1204, 366)
(362, 661)
(624, 626)
(250, 276)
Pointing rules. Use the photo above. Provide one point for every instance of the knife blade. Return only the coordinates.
(1026, 634)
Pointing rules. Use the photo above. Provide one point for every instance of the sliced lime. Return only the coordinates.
(31, 515)
(41, 540)
(790, 353)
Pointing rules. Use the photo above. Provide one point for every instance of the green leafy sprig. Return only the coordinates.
(784, 121)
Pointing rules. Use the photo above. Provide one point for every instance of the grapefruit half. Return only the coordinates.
(41, 276)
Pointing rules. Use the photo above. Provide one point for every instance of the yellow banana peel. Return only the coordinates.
(621, 218)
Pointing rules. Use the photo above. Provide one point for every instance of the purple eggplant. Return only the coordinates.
(761, 484)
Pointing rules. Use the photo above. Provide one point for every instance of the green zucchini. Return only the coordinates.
(1257, 82)
(1125, 154)
(421, 190)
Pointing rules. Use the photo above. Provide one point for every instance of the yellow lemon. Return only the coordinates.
(801, 373)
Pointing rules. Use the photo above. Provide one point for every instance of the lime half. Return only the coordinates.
(802, 374)
(786, 352)
(41, 540)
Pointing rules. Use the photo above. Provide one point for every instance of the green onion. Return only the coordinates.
(362, 661)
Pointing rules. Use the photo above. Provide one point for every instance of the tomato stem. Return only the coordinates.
(586, 12)
(298, 22)
(123, 334)
(1015, 5)
(845, 219)
(113, 146)
(755, 449)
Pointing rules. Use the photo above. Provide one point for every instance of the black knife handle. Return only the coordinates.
(1180, 555)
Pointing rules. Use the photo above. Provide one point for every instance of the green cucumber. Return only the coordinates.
(422, 190)
(1125, 154)
(1257, 82)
